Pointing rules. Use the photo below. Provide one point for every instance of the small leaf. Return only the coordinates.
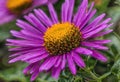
(114, 49)
(116, 67)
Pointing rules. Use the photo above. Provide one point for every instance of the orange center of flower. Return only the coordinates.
(62, 38)
(17, 6)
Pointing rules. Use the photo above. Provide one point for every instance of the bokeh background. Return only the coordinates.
(13, 72)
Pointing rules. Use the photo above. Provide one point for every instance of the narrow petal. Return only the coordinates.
(70, 11)
(35, 67)
(93, 24)
(26, 26)
(78, 60)
(39, 58)
(52, 1)
(22, 36)
(87, 19)
(64, 11)
(48, 63)
(34, 75)
(63, 61)
(80, 13)
(43, 17)
(7, 18)
(93, 45)
(35, 22)
(97, 30)
(35, 54)
(87, 35)
(99, 56)
(16, 59)
(71, 64)
(53, 13)
(102, 33)
(27, 68)
(58, 61)
(39, 2)
(56, 72)
(82, 50)
(100, 41)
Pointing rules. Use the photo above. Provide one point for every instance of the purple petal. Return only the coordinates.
(102, 33)
(35, 68)
(35, 22)
(78, 60)
(100, 41)
(43, 17)
(63, 61)
(22, 36)
(48, 63)
(23, 43)
(58, 62)
(99, 56)
(36, 59)
(64, 11)
(26, 26)
(24, 50)
(70, 11)
(27, 68)
(88, 16)
(32, 34)
(52, 1)
(35, 54)
(56, 72)
(53, 13)
(82, 50)
(16, 59)
(85, 21)
(34, 75)
(39, 2)
(87, 35)
(93, 45)
(71, 64)
(6, 18)
(93, 24)
(80, 13)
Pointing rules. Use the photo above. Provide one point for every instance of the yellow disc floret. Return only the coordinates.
(61, 38)
(17, 6)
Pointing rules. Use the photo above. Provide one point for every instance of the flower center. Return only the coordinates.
(17, 6)
(62, 38)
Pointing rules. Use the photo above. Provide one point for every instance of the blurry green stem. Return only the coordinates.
(105, 75)
(93, 75)
(116, 35)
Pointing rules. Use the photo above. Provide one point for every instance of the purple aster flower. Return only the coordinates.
(11, 9)
(51, 44)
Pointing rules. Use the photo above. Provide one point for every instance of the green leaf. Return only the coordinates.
(5, 30)
(114, 49)
(116, 67)
(14, 74)
(114, 13)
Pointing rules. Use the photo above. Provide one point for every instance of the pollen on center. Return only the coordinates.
(62, 38)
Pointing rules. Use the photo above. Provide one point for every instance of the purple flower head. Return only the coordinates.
(51, 44)
(11, 9)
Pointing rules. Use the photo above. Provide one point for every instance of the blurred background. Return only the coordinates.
(13, 72)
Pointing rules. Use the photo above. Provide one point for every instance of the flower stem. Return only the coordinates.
(93, 75)
(105, 75)
(118, 37)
